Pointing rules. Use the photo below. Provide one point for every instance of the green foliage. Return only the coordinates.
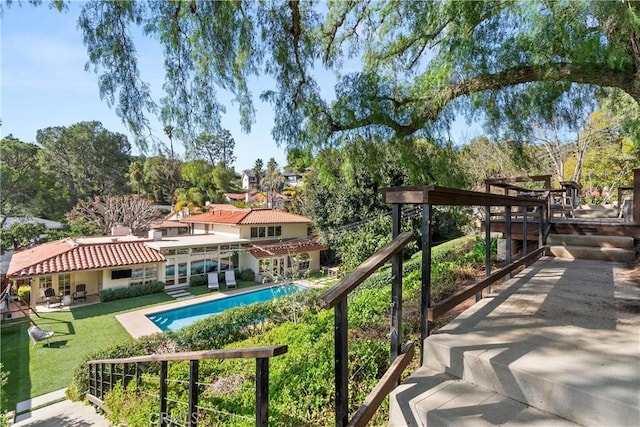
(75, 157)
(421, 62)
(195, 281)
(24, 294)
(106, 295)
(20, 177)
(20, 235)
(4, 378)
(132, 406)
(247, 275)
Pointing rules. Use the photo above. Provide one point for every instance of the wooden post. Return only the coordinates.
(525, 238)
(508, 237)
(636, 196)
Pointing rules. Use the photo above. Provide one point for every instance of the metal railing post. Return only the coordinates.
(163, 393)
(395, 334)
(509, 236)
(425, 297)
(341, 360)
(193, 394)
(487, 245)
(525, 237)
(262, 392)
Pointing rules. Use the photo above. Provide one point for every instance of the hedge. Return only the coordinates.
(131, 291)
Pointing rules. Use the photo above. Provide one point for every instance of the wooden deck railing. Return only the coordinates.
(105, 373)
(336, 297)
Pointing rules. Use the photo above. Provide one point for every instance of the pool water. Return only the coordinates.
(181, 317)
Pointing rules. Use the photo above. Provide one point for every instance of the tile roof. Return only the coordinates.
(271, 248)
(248, 216)
(69, 255)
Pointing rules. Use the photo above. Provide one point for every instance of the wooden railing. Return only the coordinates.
(336, 296)
(105, 373)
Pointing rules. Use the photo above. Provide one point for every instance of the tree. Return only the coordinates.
(86, 159)
(136, 173)
(19, 177)
(190, 198)
(22, 235)
(272, 181)
(162, 177)
(223, 178)
(216, 148)
(257, 171)
(422, 61)
(104, 213)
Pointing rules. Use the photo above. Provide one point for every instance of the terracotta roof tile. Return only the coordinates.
(68, 255)
(248, 216)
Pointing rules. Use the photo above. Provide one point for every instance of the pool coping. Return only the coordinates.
(137, 324)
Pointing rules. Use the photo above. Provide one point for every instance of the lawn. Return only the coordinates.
(41, 369)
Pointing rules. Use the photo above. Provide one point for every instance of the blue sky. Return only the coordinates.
(44, 84)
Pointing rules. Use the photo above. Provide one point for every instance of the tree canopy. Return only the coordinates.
(418, 63)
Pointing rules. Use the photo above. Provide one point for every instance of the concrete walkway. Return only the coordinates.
(63, 414)
(559, 344)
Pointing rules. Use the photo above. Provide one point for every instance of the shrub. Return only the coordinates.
(131, 291)
(24, 293)
(197, 281)
(247, 275)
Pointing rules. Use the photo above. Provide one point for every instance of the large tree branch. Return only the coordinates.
(429, 106)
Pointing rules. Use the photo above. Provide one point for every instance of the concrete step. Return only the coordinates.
(596, 213)
(450, 401)
(556, 338)
(590, 252)
(622, 242)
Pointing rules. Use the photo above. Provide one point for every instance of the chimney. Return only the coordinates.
(120, 230)
(155, 235)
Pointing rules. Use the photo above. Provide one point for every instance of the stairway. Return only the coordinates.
(552, 347)
(605, 248)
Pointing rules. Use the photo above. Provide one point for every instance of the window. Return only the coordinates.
(143, 275)
(46, 282)
(182, 272)
(274, 231)
(182, 251)
(169, 273)
(120, 274)
(64, 284)
(270, 231)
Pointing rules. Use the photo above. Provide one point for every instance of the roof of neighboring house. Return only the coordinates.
(168, 224)
(271, 248)
(254, 196)
(69, 255)
(248, 216)
(31, 219)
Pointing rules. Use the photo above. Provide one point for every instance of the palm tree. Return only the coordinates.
(168, 130)
(190, 198)
(136, 171)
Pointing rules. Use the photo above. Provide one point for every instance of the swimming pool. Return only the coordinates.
(183, 316)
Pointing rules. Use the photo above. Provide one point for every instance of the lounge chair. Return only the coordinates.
(230, 278)
(80, 293)
(50, 296)
(212, 279)
(36, 334)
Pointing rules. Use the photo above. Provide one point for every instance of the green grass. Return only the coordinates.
(42, 369)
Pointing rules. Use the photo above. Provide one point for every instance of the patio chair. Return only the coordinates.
(36, 334)
(212, 279)
(230, 278)
(80, 293)
(50, 296)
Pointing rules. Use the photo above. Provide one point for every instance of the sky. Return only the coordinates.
(44, 83)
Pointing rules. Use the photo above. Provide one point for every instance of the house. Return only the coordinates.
(292, 179)
(170, 227)
(269, 242)
(248, 197)
(249, 180)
